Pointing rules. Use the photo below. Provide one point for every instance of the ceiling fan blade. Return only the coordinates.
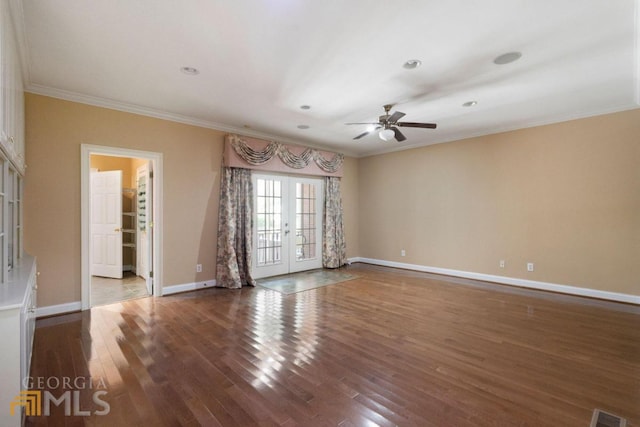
(368, 132)
(362, 134)
(399, 136)
(370, 123)
(396, 116)
(417, 125)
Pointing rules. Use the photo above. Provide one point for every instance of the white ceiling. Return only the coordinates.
(260, 60)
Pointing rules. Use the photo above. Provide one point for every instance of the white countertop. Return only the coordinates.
(14, 290)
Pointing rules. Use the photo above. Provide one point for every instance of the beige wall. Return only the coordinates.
(111, 163)
(564, 196)
(55, 129)
(349, 188)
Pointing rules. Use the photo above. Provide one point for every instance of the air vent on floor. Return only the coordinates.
(604, 419)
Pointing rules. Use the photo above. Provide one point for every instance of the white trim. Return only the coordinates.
(164, 115)
(86, 150)
(159, 114)
(392, 148)
(52, 310)
(523, 283)
(186, 287)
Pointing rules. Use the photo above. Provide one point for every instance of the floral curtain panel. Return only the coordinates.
(235, 225)
(334, 248)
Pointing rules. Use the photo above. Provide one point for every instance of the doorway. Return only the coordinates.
(121, 224)
(288, 224)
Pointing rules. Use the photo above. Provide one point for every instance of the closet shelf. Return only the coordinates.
(130, 223)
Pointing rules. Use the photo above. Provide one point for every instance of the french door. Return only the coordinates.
(287, 232)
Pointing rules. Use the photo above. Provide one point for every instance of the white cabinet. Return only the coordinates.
(11, 93)
(17, 327)
(17, 272)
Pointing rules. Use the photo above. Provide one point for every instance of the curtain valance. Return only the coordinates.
(252, 153)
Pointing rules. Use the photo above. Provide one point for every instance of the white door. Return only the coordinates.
(106, 224)
(144, 223)
(287, 224)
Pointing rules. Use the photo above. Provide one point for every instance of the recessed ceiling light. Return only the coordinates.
(507, 58)
(190, 71)
(412, 64)
(303, 127)
(305, 107)
(470, 103)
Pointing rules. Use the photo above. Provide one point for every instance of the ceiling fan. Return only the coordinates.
(388, 124)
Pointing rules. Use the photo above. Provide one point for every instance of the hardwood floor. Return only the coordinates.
(391, 347)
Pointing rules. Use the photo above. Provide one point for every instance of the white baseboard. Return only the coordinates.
(69, 307)
(186, 287)
(52, 310)
(524, 283)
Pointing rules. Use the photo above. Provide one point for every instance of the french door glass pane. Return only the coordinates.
(269, 222)
(305, 221)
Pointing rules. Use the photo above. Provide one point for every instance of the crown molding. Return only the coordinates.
(164, 115)
(462, 136)
(17, 15)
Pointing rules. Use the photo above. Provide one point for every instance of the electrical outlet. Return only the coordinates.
(403, 253)
(529, 266)
(501, 263)
(198, 268)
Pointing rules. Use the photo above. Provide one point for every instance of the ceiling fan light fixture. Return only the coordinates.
(386, 134)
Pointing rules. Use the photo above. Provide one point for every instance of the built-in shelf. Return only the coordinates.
(129, 220)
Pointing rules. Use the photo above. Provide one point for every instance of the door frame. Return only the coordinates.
(86, 150)
(141, 256)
